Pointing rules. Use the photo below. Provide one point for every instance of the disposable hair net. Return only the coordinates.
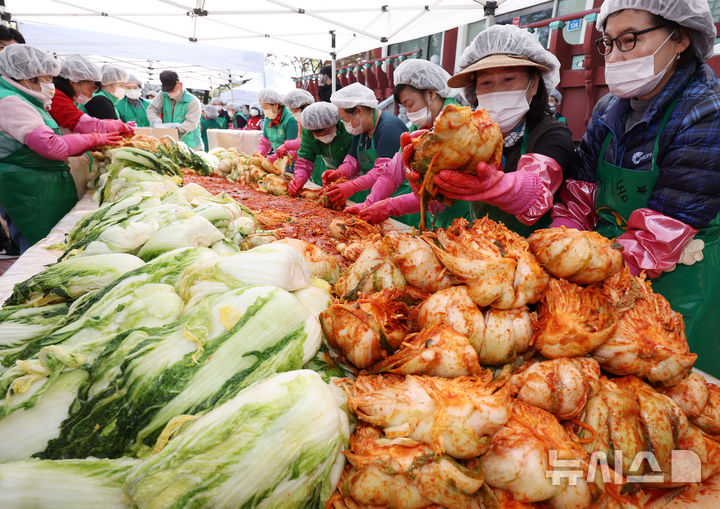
(557, 95)
(233, 106)
(298, 98)
(217, 101)
(79, 68)
(509, 40)
(354, 95)
(211, 111)
(269, 96)
(23, 62)
(319, 116)
(256, 106)
(423, 75)
(113, 74)
(694, 15)
(133, 79)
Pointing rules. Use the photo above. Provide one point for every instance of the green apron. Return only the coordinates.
(36, 192)
(177, 116)
(366, 161)
(277, 135)
(480, 209)
(692, 290)
(129, 113)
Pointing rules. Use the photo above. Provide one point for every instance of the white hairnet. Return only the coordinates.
(694, 15)
(509, 40)
(298, 98)
(423, 75)
(217, 100)
(320, 116)
(113, 74)
(211, 111)
(269, 96)
(79, 68)
(353, 95)
(232, 106)
(23, 62)
(133, 79)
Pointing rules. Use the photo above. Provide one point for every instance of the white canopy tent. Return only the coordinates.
(199, 66)
(247, 92)
(285, 27)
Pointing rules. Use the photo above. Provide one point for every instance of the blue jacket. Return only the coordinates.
(688, 187)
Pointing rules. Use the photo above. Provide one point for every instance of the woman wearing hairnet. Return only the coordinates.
(133, 108)
(211, 120)
(255, 122)
(323, 136)
(376, 139)
(648, 165)
(506, 71)
(421, 87)
(296, 100)
(103, 103)
(74, 85)
(36, 188)
(279, 124)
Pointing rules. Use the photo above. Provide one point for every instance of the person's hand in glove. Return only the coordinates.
(303, 171)
(101, 139)
(272, 157)
(330, 176)
(339, 193)
(407, 148)
(390, 207)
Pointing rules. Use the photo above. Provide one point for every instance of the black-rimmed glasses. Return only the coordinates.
(624, 42)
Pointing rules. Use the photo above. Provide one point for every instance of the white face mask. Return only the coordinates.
(327, 138)
(269, 114)
(176, 95)
(507, 109)
(48, 91)
(82, 99)
(255, 113)
(355, 131)
(421, 117)
(636, 77)
(552, 108)
(133, 93)
(118, 92)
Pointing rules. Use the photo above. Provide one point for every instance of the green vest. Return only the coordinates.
(208, 123)
(129, 113)
(287, 129)
(325, 155)
(177, 116)
(36, 192)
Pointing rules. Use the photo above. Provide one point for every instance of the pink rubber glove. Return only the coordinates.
(526, 193)
(653, 241)
(339, 193)
(45, 142)
(303, 171)
(264, 146)
(119, 126)
(576, 208)
(291, 148)
(272, 157)
(348, 169)
(394, 206)
(391, 176)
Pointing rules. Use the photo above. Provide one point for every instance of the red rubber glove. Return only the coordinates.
(330, 176)
(281, 151)
(394, 206)
(354, 209)
(406, 145)
(339, 193)
(128, 128)
(576, 208)
(272, 157)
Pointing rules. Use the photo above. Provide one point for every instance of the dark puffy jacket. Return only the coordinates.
(688, 187)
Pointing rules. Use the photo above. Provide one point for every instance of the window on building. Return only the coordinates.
(530, 15)
(429, 46)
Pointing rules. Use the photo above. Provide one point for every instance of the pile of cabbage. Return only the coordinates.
(169, 380)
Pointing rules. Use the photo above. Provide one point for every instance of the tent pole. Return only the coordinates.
(333, 55)
(4, 16)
